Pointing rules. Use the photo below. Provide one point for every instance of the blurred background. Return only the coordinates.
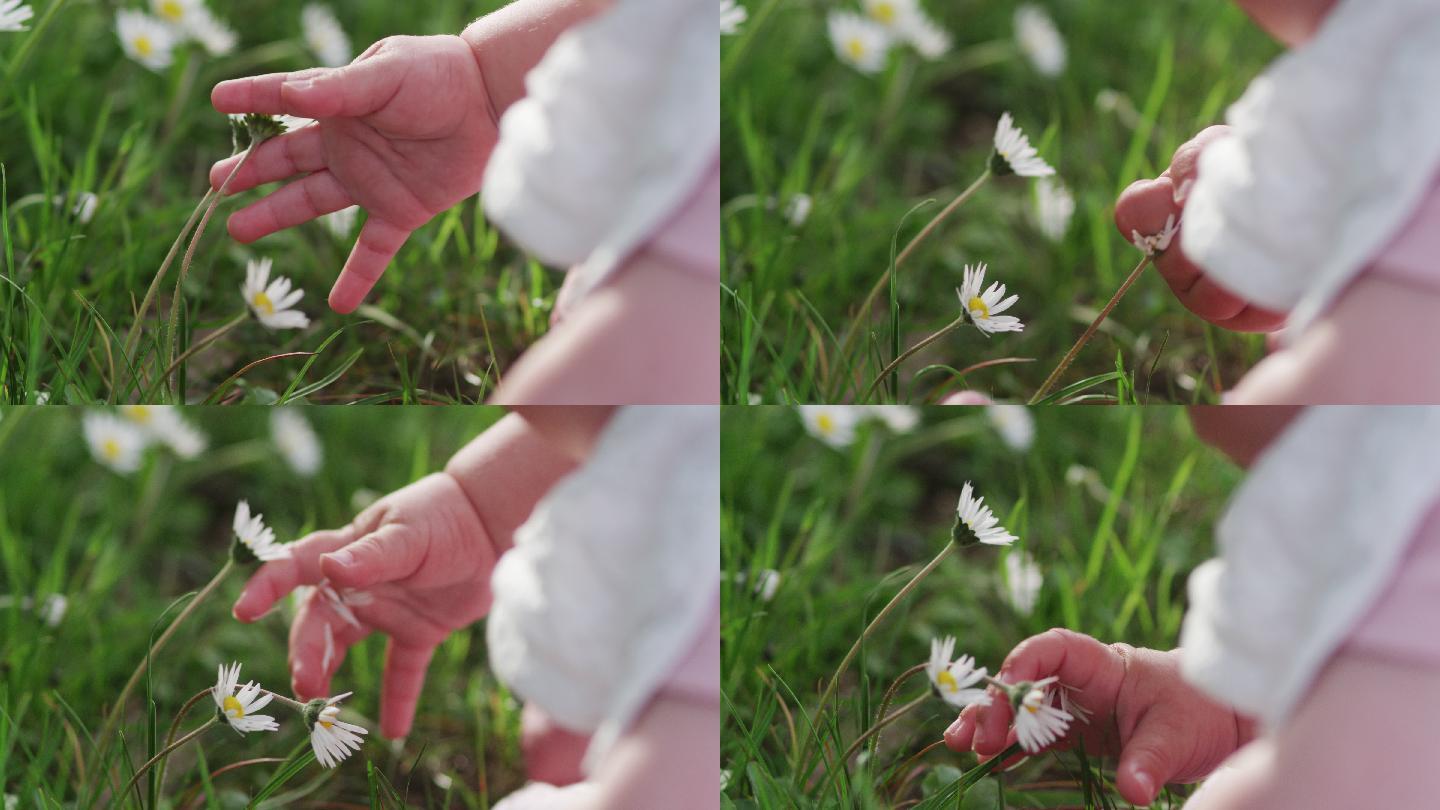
(828, 511)
(91, 556)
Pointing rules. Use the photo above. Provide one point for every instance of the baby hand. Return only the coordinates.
(1162, 729)
(1145, 206)
(404, 132)
(414, 566)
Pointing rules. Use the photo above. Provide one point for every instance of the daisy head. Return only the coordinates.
(832, 424)
(238, 708)
(980, 523)
(894, 15)
(1038, 723)
(272, 301)
(1014, 154)
(324, 35)
(296, 440)
(983, 307)
(163, 424)
(1054, 207)
(1022, 582)
(214, 36)
(1156, 242)
(145, 39)
(955, 680)
(331, 738)
(1039, 40)
(253, 539)
(860, 43)
(13, 15)
(114, 442)
(1014, 424)
(926, 36)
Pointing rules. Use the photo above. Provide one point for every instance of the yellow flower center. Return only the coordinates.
(262, 302)
(884, 12)
(1031, 709)
(110, 448)
(172, 9)
(947, 680)
(143, 46)
(233, 707)
(978, 308)
(326, 723)
(137, 413)
(826, 423)
(855, 48)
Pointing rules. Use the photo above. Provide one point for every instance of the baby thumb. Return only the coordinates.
(1148, 761)
(388, 554)
(348, 92)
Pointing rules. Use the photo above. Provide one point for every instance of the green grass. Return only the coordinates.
(847, 528)
(454, 309)
(870, 149)
(122, 549)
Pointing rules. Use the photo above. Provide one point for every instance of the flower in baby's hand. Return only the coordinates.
(13, 15)
(163, 424)
(238, 708)
(859, 42)
(955, 680)
(976, 517)
(1156, 242)
(332, 739)
(732, 14)
(271, 301)
(984, 308)
(1039, 40)
(114, 442)
(254, 538)
(1014, 154)
(145, 39)
(1071, 706)
(1037, 722)
(324, 35)
(832, 424)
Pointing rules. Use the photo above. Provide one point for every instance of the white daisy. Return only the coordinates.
(1022, 581)
(1054, 207)
(732, 14)
(85, 205)
(296, 440)
(984, 308)
(859, 42)
(927, 37)
(1037, 722)
(214, 36)
(974, 515)
(13, 15)
(163, 424)
(894, 15)
(1014, 423)
(1039, 40)
(252, 532)
(145, 39)
(114, 442)
(239, 708)
(332, 738)
(325, 36)
(955, 681)
(1014, 154)
(271, 302)
(176, 12)
(832, 424)
(797, 210)
(899, 418)
(1155, 242)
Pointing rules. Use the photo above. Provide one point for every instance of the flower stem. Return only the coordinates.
(1090, 332)
(874, 731)
(175, 726)
(166, 752)
(885, 704)
(149, 298)
(291, 702)
(905, 355)
(201, 344)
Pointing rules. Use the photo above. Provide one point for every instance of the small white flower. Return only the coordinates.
(163, 424)
(984, 308)
(859, 42)
(893, 15)
(982, 523)
(296, 440)
(145, 39)
(732, 14)
(1014, 424)
(1039, 40)
(256, 536)
(955, 681)
(114, 442)
(1155, 242)
(176, 12)
(1054, 207)
(239, 708)
(325, 36)
(42, 398)
(52, 610)
(1014, 154)
(13, 15)
(1022, 581)
(1037, 722)
(832, 424)
(217, 38)
(341, 223)
(927, 37)
(271, 302)
(724, 779)
(899, 418)
(797, 210)
(334, 739)
(767, 582)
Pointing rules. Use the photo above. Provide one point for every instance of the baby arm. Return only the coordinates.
(1162, 729)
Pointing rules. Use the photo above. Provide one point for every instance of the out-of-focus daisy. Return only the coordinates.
(894, 15)
(83, 208)
(1014, 424)
(52, 610)
(832, 424)
(974, 515)
(767, 582)
(13, 15)
(254, 535)
(239, 709)
(955, 681)
(325, 36)
(899, 418)
(927, 37)
(860, 43)
(797, 209)
(114, 442)
(1014, 154)
(1155, 242)
(732, 14)
(1054, 206)
(271, 301)
(296, 441)
(332, 739)
(984, 308)
(163, 424)
(214, 36)
(145, 39)
(1037, 722)
(341, 224)
(1022, 581)
(1039, 40)
(176, 12)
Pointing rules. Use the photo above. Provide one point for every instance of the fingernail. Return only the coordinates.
(344, 559)
(300, 84)
(1144, 782)
(953, 729)
(1183, 191)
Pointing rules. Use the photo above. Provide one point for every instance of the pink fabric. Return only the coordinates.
(1413, 256)
(697, 676)
(1401, 624)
